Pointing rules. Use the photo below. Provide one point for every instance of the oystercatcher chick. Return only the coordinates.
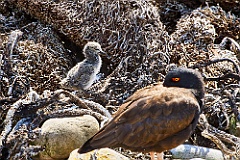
(84, 73)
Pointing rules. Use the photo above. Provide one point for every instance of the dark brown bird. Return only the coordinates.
(155, 118)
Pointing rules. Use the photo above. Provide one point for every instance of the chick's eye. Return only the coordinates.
(175, 79)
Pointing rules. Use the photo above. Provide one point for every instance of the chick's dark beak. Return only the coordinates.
(102, 53)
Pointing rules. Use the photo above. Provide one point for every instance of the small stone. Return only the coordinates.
(101, 154)
(60, 136)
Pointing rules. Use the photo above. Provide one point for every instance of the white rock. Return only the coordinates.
(100, 154)
(60, 136)
(196, 153)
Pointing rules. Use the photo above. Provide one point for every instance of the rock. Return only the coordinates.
(60, 136)
(101, 154)
(186, 151)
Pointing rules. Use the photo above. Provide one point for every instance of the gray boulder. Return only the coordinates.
(60, 136)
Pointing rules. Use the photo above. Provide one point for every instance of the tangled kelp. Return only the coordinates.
(26, 56)
(227, 5)
(34, 59)
(196, 31)
(123, 28)
(109, 23)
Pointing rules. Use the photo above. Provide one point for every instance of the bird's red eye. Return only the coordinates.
(175, 79)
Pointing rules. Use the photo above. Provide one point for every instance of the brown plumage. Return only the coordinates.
(155, 118)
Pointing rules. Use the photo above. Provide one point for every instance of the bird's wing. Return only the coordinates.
(146, 121)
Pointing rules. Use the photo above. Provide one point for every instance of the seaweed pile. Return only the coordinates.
(40, 41)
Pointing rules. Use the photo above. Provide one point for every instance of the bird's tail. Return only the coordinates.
(104, 138)
(86, 147)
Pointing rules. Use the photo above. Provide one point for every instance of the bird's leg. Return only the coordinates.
(159, 156)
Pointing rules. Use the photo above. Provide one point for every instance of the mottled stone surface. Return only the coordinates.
(62, 135)
(101, 154)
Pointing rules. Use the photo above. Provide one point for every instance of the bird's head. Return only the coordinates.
(92, 49)
(185, 78)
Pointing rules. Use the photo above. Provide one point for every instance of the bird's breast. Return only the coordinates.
(98, 65)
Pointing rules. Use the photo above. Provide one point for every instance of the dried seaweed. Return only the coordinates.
(26, 115)
(227, 5)
(219, 137)
(33, 60)
(123, 28)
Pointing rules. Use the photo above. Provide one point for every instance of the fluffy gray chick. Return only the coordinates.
(83, 74)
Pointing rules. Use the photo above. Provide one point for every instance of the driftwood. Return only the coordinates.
(219, 137)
